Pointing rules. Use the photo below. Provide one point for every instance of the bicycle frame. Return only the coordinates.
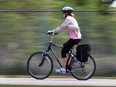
(52, 51)
(77, 69)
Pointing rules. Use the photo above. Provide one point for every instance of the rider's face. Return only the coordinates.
(64, 15)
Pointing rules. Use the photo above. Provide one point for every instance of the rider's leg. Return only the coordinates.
(63, 69)
(64, 61)
(66, 48)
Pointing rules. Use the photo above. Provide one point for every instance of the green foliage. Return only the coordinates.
(22, 33)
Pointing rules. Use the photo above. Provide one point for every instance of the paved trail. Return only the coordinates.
(58, 81)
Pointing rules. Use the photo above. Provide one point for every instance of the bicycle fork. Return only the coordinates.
(43, 59)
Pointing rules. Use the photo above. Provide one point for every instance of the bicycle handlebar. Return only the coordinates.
(52, 35)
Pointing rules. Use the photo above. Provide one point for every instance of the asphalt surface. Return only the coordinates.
(58, 82)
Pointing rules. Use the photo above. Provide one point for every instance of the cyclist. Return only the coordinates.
(72, 26)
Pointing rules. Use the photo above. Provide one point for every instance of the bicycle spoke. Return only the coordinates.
(83, 71)
(39, 66)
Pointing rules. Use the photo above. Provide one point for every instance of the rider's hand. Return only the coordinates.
(50, 32)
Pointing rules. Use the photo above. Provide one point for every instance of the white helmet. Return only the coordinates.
(67, 9)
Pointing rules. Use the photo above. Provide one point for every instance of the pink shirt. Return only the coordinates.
(70, 24)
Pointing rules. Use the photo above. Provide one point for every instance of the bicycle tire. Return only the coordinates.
(83, 71)
(36, 70)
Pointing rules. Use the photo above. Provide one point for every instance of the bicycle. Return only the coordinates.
(40, 64)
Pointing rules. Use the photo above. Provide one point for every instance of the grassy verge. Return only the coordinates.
(60, 76)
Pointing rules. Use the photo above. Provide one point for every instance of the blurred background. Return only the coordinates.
(24, 23)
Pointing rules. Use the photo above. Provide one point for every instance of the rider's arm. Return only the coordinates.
(62, 26)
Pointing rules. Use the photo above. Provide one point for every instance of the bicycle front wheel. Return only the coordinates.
(83, 71)
(39, 66)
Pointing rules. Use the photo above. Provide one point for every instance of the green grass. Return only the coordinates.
(57, 76)
(47, 86)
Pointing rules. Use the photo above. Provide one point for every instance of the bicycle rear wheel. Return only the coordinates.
(83, 71)
(39, 66)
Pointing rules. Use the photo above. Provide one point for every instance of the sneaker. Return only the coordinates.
(61, 71)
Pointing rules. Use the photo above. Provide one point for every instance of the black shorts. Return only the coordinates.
(68, 45)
